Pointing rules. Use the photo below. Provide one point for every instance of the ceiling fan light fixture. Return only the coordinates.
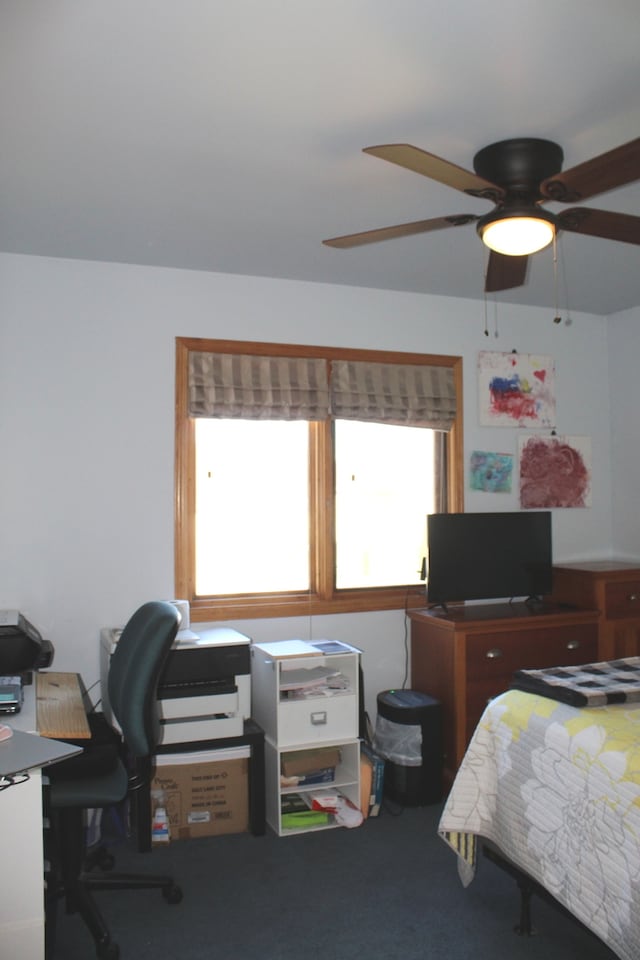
(517, 233)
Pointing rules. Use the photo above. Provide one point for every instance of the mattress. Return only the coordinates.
(556, 788)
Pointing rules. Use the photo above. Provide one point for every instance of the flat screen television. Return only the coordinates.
(488, 556)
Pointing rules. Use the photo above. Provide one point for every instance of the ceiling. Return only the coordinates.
(227, 135)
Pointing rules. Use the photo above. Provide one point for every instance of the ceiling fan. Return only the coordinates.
(517, 176)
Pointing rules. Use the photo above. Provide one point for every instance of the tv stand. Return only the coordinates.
(534, 602)
(466, 655)
(441, 605)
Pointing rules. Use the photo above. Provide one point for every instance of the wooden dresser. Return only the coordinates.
(613, 588)
(467, 655)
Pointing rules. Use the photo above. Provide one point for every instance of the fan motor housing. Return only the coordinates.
(519, 164)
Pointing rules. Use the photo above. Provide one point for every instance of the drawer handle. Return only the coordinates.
(633, 597)
(494, 654)
(573, 644)
(318, 718)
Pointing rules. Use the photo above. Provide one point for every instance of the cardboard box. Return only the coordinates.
(204, 793)
(302, 762)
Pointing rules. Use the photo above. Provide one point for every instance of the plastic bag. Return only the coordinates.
(401, 743)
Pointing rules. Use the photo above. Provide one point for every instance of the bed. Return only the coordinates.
(553, 789)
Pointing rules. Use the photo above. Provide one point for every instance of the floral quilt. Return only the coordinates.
(557, 789)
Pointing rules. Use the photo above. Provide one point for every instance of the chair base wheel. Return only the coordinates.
(100, 858)
(172, 893)
(108, 951)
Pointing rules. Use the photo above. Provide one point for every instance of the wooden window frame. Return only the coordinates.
(322, 598)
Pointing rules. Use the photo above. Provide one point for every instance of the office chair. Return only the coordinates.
(106, 773)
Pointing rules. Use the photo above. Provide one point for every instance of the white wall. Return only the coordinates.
(86, 429)
(624, 354)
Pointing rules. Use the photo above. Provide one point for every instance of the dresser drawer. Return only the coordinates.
(492, 660)
(622, 599)
(496, 656)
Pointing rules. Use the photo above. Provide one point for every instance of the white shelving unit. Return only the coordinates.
(305, 697)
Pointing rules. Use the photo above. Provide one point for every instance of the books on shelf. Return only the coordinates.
(297, 813)
(376, 763)
(366, 784)
(324, 775)
(292, 803)
(304, 819)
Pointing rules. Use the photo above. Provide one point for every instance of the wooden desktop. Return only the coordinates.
(60, 706)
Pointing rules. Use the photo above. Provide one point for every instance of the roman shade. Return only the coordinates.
(401, 394)
(254, 387)
(251, 387)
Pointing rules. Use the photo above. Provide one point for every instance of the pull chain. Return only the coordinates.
(556, 318)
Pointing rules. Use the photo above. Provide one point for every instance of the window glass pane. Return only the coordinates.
(252, 506)
(384, 490)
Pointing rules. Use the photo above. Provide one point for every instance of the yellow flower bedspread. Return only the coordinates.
(557, 789)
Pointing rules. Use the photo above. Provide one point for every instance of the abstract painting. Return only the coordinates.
(491, 472)
(555, 472)
(516, 390)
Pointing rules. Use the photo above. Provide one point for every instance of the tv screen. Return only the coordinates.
(488, 556)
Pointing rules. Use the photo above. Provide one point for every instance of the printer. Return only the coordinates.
(204, 691)
(22, 649)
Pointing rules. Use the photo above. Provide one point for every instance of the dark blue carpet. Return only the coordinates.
(388, 889)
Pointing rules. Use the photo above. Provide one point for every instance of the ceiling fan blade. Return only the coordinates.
(400, 230)
(412, 158)
(606, 172)
(504, 272)
(601, 223)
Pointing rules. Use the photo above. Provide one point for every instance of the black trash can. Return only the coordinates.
(409, 736)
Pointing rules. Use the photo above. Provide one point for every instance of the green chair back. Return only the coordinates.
(134, 671)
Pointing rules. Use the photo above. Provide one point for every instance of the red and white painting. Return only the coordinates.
(555, 472)
(516, 390)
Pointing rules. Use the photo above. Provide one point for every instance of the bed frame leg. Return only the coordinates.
(524, 927)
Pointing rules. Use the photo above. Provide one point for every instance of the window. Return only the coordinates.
(302, 479)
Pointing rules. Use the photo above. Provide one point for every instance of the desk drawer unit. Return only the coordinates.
(294, 705)
(305, 696)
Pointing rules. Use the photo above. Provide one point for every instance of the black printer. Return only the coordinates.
(22, 649)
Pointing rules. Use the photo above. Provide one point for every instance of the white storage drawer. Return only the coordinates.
(315, 720)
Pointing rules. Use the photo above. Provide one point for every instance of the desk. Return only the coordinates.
(60, 706)
(21, 821)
